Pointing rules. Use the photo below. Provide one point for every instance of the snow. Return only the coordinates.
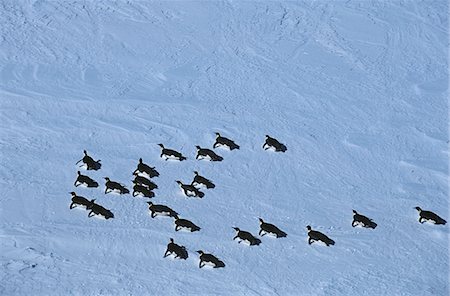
(357, 91)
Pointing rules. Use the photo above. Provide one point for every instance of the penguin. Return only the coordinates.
(246, 236)
(114, 186)
(271, 229)
(200, 180)
(429, 216)
(170, 154)
(209, 259)
(143, 168)
(142, 190)
(183, 223)
(190, 190)
(78, 200)
(318, 236)
(161, 210)
(363, 221)
(204, 152)
(98, 210)
(274, 144)
(89, 162)
(179, 251)
(82, 179)
(145, 182)
(222, 141)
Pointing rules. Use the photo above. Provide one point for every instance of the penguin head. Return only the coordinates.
(355, 212)
(149, 203)
(261, 220)
(85, 152)
(171, 240)
(200, 252)
(73, 193)
(218, 134)
(92, 201)
(79, 173)
(161, 145)
(140, 160)
(107, 179)
(196, 173)
(237, 229)
(178, 181)
(198, 147)
(419, 209)
(308, 227)
(267, 136)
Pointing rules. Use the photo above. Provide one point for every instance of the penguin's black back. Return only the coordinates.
(432, 216)
(146, 182)
(213, 259)
(162, 208)
(227, 142)
(202, 180)
(80, 200)
(144, 168)
(317, 235)
(210, 153)
(367, 222)
(270, 228)
(245, 235)
(187, 224)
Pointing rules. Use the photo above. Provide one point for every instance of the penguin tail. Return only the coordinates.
(282, 234)
(256, 242)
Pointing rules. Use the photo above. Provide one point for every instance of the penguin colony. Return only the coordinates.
(144, 186)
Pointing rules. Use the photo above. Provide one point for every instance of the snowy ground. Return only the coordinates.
(357, 90)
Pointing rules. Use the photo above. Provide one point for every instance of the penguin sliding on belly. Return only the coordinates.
(202, 181)
(111, 186)
(246, 236)
(429, 216)
(141, 190)
(318, 236)
(143, 168)
(190, 190)
(78, 200)
(270, 229)
(272, 143)
(185, 224)
(209, 259)
(85, 180)
(203, 153)
(161, 210)
(362, 220)
(222, 141)
(145, 182)
(170, 154)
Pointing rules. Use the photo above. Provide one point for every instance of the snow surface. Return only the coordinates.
(357, 90)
